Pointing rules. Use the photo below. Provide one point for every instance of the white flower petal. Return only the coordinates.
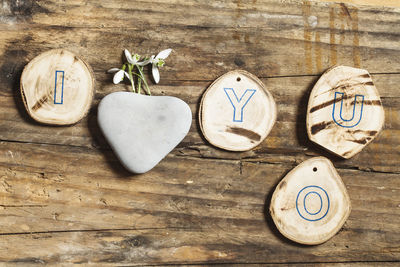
(127, 75)
(113, 70)
(128, 56)
(118, 77)
(152, 58)
(144, 62)
(164, 54)
(156, 73)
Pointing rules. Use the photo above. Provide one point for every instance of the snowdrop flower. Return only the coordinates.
(134, 65)
(159, 61)
(119, 75)
(134, 60)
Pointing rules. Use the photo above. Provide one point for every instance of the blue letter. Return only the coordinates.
(238, 104)
(357, 112)
(58, 98)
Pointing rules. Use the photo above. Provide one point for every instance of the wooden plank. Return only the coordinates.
(64, 197)
(287, 141)
(210, 38)
(186, 210)
(163, 247)
(78, 30)
(377, 3)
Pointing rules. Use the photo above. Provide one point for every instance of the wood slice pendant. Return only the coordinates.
(311, 203)
(345, 111)
(237, 112)
(57, 88)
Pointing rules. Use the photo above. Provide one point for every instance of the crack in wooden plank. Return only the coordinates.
(247, 263)
(23, 206)
(97, 230)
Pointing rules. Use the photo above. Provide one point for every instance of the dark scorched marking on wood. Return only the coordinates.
(41, 101)
(320, 126)
(362, 141)
(346, 153)
(369, 102)
(347, 85)
(282, 185)
(365, 75)
(244, 132)
(330, 102)
(323, 105)
(370, 133)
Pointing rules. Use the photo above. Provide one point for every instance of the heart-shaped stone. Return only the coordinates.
(142, 129)
(311, 203)
(345, 111)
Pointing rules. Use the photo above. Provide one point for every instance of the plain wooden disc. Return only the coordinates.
(345, 111)
(57, 87)
(311, 203)
(237, 112)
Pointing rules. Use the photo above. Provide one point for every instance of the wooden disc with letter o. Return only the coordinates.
(311, 203)
(57, 87)
(237, 112)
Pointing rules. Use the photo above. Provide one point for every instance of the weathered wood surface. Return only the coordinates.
(215, 117)
(42, 88)
(315, 191)
(379, 3)
(65, 197)
(344, 111)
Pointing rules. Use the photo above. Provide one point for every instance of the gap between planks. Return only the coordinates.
(241, 161)
(269, 77)
(303, 263)
(98, 230)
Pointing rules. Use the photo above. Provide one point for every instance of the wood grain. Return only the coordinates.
(377, 3)
(66, 199)
(200, 213)
(310, 204)
(230, 117)
(345, 111)
(240, 34)
(57, 88)
(287, 141)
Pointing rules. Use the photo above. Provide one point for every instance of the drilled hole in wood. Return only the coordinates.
(315, 169)
(238, 79)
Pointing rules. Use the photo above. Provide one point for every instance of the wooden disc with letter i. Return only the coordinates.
(237, 112)
(57, 87)
(310, 204)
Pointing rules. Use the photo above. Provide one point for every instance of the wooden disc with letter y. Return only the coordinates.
(57, 87)
(237, 112)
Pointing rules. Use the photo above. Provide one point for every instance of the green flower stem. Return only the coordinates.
(144, 80)
(130, 67)
(139, 79)
(139, 84)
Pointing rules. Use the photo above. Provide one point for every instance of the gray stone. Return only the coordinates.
(143, 129)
